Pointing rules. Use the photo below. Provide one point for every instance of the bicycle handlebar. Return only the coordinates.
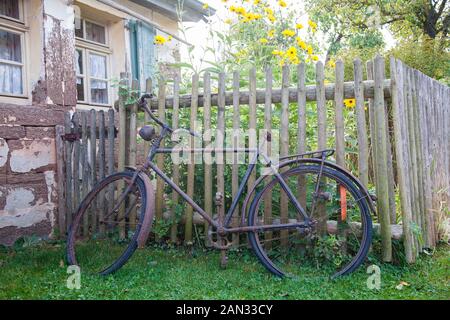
(142, 103)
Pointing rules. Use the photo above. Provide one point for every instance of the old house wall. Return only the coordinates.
(27, 126)
(28, 196)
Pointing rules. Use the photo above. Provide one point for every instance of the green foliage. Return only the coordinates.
(40, 273)
(161, 227)
(404, 17)
(426, 55)
(328, 250)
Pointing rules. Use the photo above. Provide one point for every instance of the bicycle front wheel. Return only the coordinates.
(339, 241)
(104, 231)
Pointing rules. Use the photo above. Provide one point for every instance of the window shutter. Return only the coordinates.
(142, 51)
(146, 51)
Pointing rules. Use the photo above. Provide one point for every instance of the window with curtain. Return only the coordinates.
(10, 8)
(91, 61)
(11, 64)
(91, 31)
(92, 76)
(98, 78)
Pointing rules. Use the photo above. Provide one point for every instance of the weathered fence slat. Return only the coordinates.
(398, 106)
(363, 150)
(220, 139)
(85, 166)
(373, 153)
(93, 165)
(69, 177)
(101, 168)
(191, 164)
(339, 114)
(147, 119)
(381, 160)
(311, 95)
(111, 162)
(235, 144)
(321, 138)
(412, 158)
(133, 145)
(252, 141)
(61, 175)
(301, 126)
(176, 166)
(159, 198)
(76, 163)
(284, 146)
(268, 128)
(123, 152)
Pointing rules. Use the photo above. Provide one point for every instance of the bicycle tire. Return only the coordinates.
(329, 173)
(82, 209)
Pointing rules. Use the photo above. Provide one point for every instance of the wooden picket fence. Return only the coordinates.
(402, 141)
(85, 155)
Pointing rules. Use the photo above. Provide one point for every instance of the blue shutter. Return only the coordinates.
(142, 51)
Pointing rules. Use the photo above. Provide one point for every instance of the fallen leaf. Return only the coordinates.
(401, 285)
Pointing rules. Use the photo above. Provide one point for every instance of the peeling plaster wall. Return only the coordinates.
(28, 194)
(28, 189)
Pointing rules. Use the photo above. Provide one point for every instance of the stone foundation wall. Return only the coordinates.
(27, 171)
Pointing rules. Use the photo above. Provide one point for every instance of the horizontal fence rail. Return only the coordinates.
(393, 137)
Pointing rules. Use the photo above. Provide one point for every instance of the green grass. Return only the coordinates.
(39, 272)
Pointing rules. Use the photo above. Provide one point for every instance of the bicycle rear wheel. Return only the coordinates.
(117, 209)
(340, 240)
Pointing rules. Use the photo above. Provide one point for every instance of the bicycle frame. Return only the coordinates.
(224, 227)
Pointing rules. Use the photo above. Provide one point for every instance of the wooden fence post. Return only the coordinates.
(76, 163)
(159, 198)
(123, 148)
(235, 144)
(252, 139)
(133, 143)
(284, 148)
(69, 176)
(268, 127)
(147, 119)
(220, 138)
(381, 160)
(60, 166)
(176, 166)
(301, 127)
(321, 139)
(191, 164)
(398, 106)
(363, 149)
(93, 165)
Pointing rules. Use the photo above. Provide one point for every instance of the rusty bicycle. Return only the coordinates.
(317, 210)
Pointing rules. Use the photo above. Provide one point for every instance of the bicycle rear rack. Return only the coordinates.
(320, 154)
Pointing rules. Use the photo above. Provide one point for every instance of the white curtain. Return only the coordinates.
(96, 84)
(78, 61)
(97, 65)
(10, 48)
(10, 79)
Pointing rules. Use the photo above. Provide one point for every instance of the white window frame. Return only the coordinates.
(21, 64)
(85, 51)
(83, 26)
(86, 47)
(21, 14)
